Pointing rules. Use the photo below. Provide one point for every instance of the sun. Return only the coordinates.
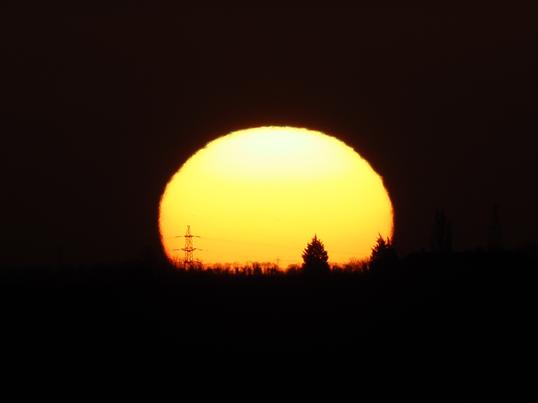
(260, 194)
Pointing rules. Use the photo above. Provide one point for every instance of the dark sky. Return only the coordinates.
(100, 107)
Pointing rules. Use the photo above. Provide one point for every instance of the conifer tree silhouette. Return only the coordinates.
(315, 258)
(383, 254)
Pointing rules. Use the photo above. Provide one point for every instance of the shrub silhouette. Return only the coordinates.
(315, 258)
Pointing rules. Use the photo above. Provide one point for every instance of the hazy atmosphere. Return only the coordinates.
(101, 108)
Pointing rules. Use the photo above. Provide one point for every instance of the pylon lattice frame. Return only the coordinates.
(189, 248)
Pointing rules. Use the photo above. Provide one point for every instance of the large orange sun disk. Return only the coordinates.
(260, 194)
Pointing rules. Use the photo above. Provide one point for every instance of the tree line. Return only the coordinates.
(383, 256)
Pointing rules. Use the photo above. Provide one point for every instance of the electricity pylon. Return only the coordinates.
(189, 248)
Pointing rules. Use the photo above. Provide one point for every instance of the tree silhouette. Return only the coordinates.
(495, 231)
(442, 233)
(315, 258)
(383, 255)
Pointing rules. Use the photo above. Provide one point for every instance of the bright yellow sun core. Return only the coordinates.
(260, 195)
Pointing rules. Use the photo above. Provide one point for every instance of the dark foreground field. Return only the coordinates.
(444, 316)
(431, 304)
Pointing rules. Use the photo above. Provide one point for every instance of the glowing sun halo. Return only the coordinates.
(259, 195)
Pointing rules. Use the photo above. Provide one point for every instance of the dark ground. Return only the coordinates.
(429, 300)
(471, 311)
